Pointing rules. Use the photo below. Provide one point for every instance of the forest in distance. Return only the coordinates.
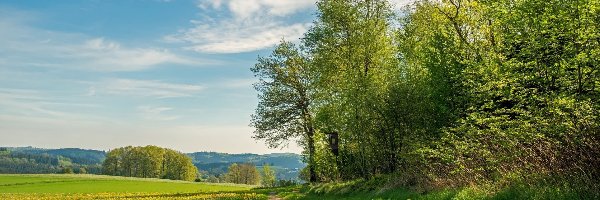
(150, 162)
(446, 94)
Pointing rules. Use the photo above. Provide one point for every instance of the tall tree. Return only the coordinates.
(351, 48)
(285, 97)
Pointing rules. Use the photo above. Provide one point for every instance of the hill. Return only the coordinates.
(286, 165)
(32, 160)
(29, 160)
(286, 160)
(76, 155)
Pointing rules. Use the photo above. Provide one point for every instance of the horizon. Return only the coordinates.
(107, 74)
(34, 147)
(171, 73)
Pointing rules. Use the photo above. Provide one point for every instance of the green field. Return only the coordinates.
(109, 187)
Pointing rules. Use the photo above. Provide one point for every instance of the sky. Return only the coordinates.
(102, 74)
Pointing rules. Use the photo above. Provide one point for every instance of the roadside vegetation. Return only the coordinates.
(496, 96)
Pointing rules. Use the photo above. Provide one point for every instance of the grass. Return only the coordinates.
(104, 184)
(376, 189)
(55, 187)
(109, 187)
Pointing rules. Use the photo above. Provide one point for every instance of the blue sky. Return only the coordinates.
(102, 74)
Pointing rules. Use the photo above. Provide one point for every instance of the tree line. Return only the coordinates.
(446, 92)
(149, 162)
(24, 162)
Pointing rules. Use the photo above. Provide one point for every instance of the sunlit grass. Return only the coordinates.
(105, 184)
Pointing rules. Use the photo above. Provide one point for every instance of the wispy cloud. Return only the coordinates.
(156, 113)
(149, 88)
(23, 46)
(251, 25)
(23, 102)
(110, 56)
(234, 83)
(249, 8)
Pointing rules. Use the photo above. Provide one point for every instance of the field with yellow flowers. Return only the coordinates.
(44, 186)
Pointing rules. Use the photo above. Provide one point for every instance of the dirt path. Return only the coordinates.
(273, 196)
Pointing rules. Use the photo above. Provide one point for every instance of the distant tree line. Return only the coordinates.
(23, 162)
(449, 92)
(149, 162)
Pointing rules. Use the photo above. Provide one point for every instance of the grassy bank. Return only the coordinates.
(108, 187)
(374, 189)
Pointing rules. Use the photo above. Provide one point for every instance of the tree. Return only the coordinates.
(149, 162)
(284, 108)
(352, 51)
(455, 91)
(268, 176)
(67, 170)
(242, 174)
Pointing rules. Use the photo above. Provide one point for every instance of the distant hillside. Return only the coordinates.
(78, 156)
(286, 165)
(38, 160)
(29, 160)
(285, 160)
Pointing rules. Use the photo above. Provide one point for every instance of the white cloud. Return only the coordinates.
(22, 45)
(156, 113)
(252, 25)
(25, 102)
(110, 56)
(91, 91)
(150, 88)
(248, 8)
(244, 83)
(236, 37)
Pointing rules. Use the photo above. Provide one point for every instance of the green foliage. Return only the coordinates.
(379, 188)
(285, 165)
(67, 170)
(28, 162)
(245, 173)
(285, 99)
(88, 184)
(82, 170)
(149, 196)
(268, 176)
(451, 93)
(149, 162)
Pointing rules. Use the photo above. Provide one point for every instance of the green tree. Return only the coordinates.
(284, 108)
(242, 174)
(82, 170)
(268, 176)
(67, 170)
(149, 162)
(351, 47)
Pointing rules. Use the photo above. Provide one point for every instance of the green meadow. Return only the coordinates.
(54, 186)
(103, 184)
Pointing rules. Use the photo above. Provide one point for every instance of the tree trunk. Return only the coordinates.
(311, 155)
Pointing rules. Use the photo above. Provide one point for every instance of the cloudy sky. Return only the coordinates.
(101, 74)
